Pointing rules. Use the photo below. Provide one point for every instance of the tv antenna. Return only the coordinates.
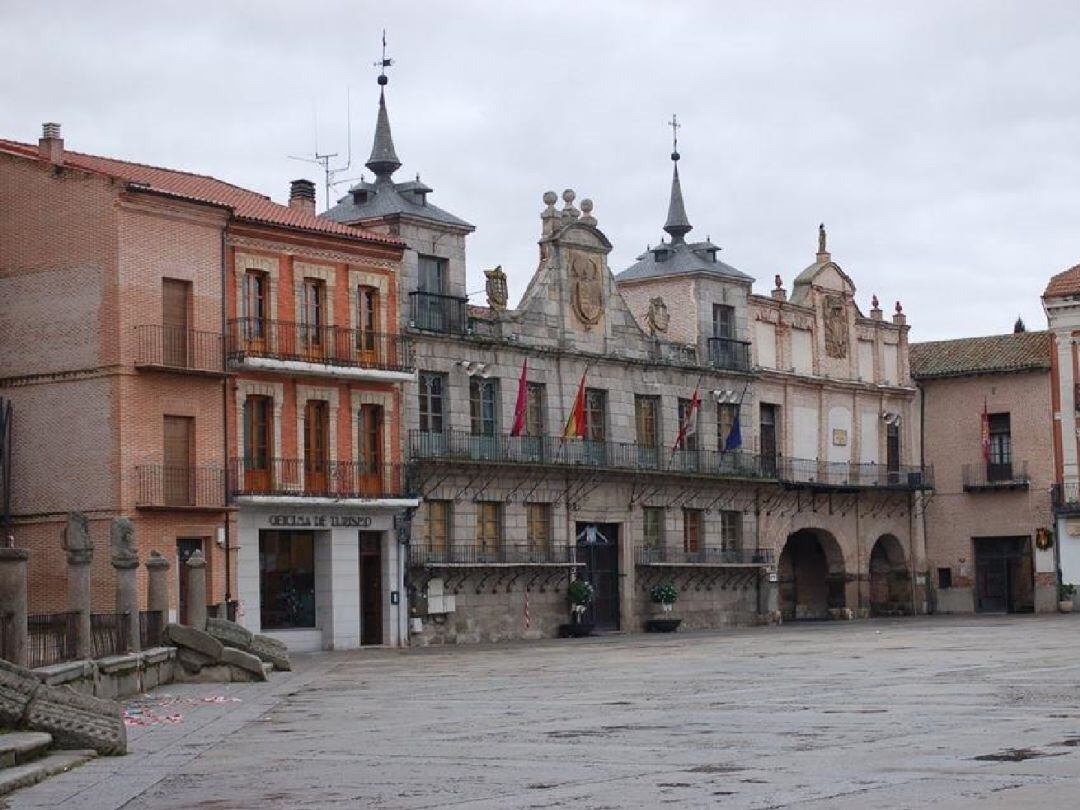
(323, 159)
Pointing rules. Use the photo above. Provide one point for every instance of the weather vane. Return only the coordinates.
(385, 62)
(674, 124)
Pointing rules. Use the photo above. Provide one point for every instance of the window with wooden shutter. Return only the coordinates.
(692, 526)
(538, 526)
(179, 449)
(175, 315)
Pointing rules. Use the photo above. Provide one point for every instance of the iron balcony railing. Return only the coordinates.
(171, 347)
(317, 478)
(729, 354)
(991, 475)
(433, 312)
(501, 554)
(1066, 497)
(51, 638)
(324, 345)
(815, 474)
(160, 486)
(556, 451)
(707, 556)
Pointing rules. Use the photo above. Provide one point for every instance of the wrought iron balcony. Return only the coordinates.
(289, 477)
(174, 349)
(808, 473)
(705, 557)
(167, 487)
(986, 476)
(1066, 498)
(254, 339)
(463, 447)
(729, 354)
(432, 312)
(473, 554)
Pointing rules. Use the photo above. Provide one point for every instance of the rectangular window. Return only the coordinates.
(367, 317)
(178, 472)
(258, 429)
(538, 525)
(535, 424)
(432, 275)
(892, 451)
(255, 304)
(595, 414)
(432, 402)
(725, 420)
(690, 442)
(723, 321)
(437, 528)
(286, 579)
(369, 431)
(483, 406)
(769, 440)
(647, 414)
(313, 311)
(488, 527)
(653, 521)
(1000, 466)
(692, 531)
(944, 578)
(731, 530)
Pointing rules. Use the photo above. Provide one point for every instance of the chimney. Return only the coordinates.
(51, 145)
(302, 196)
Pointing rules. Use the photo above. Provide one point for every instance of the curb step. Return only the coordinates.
(31, 773)
(20, 747)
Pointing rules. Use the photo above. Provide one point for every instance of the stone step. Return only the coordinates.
(33, 772)
(17, 747)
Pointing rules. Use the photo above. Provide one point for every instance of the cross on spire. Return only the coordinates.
(384, 160)
(677, 224)
(674, 124)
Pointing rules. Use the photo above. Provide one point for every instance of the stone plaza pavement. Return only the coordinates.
(938, 712)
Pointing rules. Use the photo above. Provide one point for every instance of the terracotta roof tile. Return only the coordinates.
(1021, 351)
(1064, 283)
(245, 204)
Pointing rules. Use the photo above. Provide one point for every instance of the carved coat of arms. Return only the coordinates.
(658, 316)
(496, 288)
(836, 327)
(587, 290)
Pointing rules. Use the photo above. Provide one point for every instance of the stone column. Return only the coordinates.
(13, 604)
(196, 593)
(80, 552)
(125, 560)
(157, 592)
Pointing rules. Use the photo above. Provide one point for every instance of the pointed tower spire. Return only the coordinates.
(384, 160)
(677, 224)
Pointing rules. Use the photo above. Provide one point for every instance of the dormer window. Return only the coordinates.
(360, 196)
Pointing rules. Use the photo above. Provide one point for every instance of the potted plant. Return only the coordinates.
(1066, 592)
(663, 594)
(581, 593)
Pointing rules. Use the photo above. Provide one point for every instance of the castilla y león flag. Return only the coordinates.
(575, 423)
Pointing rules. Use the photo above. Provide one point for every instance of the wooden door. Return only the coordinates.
(370, 453)
(175, 308)
(258, 445)
(598, 549)
(316, 446)
(367, 327)
(371, 620)
(768, 441)
(313, 318)
(256, 308)
(178, 471)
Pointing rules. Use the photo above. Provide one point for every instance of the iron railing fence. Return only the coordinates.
(645, 555)
(1066, 497)
(988, 475)
(852, 475)
(178, 348)
(729, 354)
(501, 448)
(324, 345)
(109, 633)
(433, 312)
(317, 478)
(151, 628)
(502, 553)
(165, 486)
(51, 638)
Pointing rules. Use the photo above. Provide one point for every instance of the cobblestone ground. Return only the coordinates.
(889, 713)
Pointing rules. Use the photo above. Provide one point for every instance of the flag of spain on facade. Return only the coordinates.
(575, 423)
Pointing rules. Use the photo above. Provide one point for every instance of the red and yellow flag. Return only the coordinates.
(522, 405)
(575, 423)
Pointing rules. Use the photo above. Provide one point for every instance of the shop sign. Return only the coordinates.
(321, 521)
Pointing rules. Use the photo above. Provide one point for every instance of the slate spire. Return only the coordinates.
(677, 225)
(384, 160)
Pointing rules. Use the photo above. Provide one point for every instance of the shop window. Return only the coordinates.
(287, 580)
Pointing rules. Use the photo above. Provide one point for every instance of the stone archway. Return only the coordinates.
(890, 580)
(811, 575)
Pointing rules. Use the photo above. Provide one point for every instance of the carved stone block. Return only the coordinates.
(229, 633)
(193, 661)
(272, 651)
(182, 636)
(77, 721)
(238, 659)
(17, 687)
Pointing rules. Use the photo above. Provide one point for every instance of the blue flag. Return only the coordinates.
(734, 438)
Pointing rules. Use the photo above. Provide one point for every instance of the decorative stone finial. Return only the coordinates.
(586, 212)
(122, 549)
(875, 308)
(495, 285)
(874, 301)
(779, 293)
(569, 212)
(822, 248)
(899, 309)
(196, 559)
(550, 198)
(779, 282)
(157, 560)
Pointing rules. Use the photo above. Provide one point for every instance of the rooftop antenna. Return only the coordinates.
(323, 159)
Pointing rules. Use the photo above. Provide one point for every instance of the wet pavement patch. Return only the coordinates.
(1015, 755)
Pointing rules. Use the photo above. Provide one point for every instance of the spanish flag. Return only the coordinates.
(575, 424)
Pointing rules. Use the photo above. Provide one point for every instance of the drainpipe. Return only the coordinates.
(230, 614)
(922, 464)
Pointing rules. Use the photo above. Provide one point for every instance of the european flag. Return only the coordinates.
(734, 439)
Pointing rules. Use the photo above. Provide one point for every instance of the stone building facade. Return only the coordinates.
(989, 525)
(744, 527)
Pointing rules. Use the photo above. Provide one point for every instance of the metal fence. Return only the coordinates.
(986, 475)
(161, 486)
(151, 628)
(433, 312)
(317, 478)
(500, 553)
(814, 473)
(50, 638)
(109, 633)
(729, 354)
(326, 345)
(177, 348)
(706, 556)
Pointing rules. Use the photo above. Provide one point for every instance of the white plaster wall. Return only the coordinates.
(344, 589)
(802, 351)
(805, 432)
(839, 419)
(891, 358)
(866, 360)
(765, 342)
(324, 616)
(869, 452)
(1068, 539)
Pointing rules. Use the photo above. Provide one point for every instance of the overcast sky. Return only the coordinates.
(938, 141)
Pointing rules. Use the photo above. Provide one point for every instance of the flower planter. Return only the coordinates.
(1065, 606)
(662, 625)
(576, 630)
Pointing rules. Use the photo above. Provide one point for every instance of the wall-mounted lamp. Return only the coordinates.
(890, 418)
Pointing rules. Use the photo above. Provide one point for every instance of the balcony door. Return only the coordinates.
(432, 313)
(647, 418)
(258, 443)
(316, 446)
(370, 452)
(768, 434)
(594, 447)
(179, 442)
(313, 318)
(367, 325)
(175, 309)
(255, 310)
